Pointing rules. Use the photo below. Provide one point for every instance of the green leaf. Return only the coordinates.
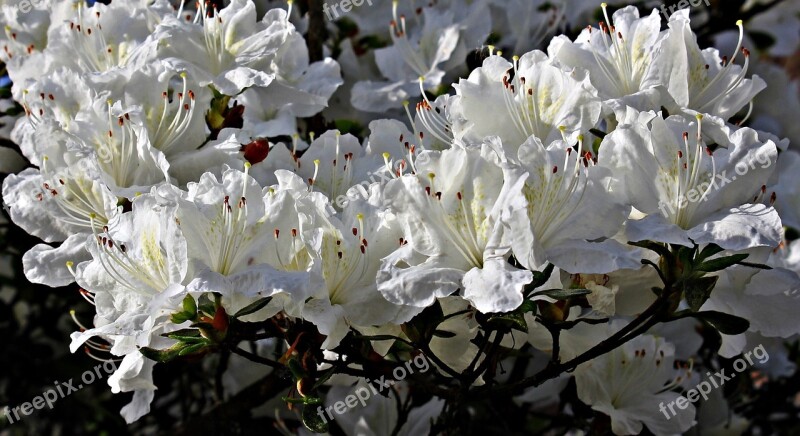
(540, 278)
(189, 305)
(163, 356)
(376, 337)
(325, 377)
(296, 368)
(698, 290)
(443, 334)
(192, 349)
(563, 294)
(183, 332)
(253, 308)
(422, 326)
(180, 317)
(721, 263)
(203, 326)
(206, 305)
(513, 320)
(686, 255)
(527, 306)
(188, 339)
(725, 323)
(755, 265)
(313, 420)
(762, 40)
(652, 246)
(348, 126)
(709, 250)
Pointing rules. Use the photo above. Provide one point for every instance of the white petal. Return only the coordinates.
(497, 287)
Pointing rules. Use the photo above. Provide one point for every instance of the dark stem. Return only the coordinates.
(642, 323)
(255, 358)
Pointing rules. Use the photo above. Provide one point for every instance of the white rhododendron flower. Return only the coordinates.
(455, 237)
(563, 184)
(526, 97)
(688, 193)
(226, 48)
(647, 363)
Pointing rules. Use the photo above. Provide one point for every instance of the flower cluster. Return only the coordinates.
(187, 175)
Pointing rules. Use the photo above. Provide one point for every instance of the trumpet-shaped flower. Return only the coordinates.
(454, 237)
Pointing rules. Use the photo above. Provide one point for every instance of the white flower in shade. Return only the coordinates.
(572, 342)
(568, 217)
(646, 362)
(379, 414)
(766, 298)
(226, 48)
(717, 418)
(686, 192)
(433, 41)
(524, 24)
(527, 97)
(350, 248)
(299, 90)
(787, 188)
(457, 351)
(231, 228)
(782, 23)
(602, 298)
(773, 107)
(451, 210)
